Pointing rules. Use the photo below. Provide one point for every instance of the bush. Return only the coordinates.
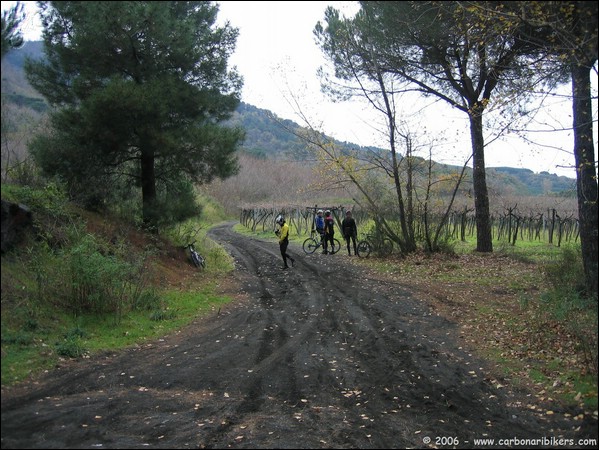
(148, 300)
(175, 204)
(18, 338)
(71, 347)
(90, 276)
(567, 304)
(163, 314)
(567, 271)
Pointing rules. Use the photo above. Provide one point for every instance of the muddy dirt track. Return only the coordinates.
(322, 355)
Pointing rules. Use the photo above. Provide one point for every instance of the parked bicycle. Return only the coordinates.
(312, 243)
(198, 260)
(376, 244)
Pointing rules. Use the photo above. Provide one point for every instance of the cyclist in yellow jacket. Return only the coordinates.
(283, 234)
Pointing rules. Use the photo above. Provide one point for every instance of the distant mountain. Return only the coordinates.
(268, 136)
(527, 182)
(15, 88)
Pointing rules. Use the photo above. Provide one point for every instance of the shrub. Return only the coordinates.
(88, 275)
(567, 304)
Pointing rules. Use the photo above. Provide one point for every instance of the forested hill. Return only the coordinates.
(268, 136)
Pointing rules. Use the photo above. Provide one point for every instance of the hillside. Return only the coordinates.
(268, 135)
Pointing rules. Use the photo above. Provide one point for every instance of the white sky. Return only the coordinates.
(277, 55)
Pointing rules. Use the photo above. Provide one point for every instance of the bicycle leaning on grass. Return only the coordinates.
(376, 244)
(198, 260)
(315, 241)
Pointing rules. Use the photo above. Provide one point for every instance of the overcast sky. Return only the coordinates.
(277, 55)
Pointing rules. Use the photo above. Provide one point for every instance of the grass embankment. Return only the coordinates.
(85, 283)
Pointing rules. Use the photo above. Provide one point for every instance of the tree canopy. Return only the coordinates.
(443, 49)
(11, 33)
(140, 91)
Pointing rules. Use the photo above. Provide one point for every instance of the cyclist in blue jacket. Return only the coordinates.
(319, 223)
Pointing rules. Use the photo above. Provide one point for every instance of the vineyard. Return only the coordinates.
(550, 227)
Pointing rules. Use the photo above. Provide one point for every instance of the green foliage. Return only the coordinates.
(12, 19)
(69, 292)
(50, 212)
(163, 314)
(96, 280)
(446, 244)
(24, 172)
(269, 137)
(176, 203)
(80, 272)
(50, 199)
(194, 230)
(566, 273)
(140, 109)
(72, 346)
(148, 300)
(567, 304)
(17, 338)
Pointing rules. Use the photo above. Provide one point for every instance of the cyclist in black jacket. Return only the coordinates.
(329, 232)
(350, 231)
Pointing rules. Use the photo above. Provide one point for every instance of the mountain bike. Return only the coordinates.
(315, 241)
(198, 260)
(372, 243)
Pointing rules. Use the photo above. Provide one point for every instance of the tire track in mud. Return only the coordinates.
(424, 371)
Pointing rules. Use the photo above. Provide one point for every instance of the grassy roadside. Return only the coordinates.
(73, 259)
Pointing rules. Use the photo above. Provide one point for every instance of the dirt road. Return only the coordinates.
(322, 355)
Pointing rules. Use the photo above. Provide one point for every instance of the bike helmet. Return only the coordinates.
(319, 211)
(280, 219)
(327, 212)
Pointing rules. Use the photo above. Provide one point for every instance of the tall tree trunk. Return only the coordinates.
(410, 189)
(148, 187)
(586, 176)
(408, 244)
(484, 242)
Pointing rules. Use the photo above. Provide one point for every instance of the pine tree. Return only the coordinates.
(140, 91)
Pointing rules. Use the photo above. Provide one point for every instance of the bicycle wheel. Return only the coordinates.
(196, 260)
(336, 246)
(364, 249)
(310, 245)
(386, 248)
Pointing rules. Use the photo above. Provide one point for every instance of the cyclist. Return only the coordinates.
(350, 231)
(319, 224)
(329, 232)
(283, 234)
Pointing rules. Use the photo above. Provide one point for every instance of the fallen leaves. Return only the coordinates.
(493, 298)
